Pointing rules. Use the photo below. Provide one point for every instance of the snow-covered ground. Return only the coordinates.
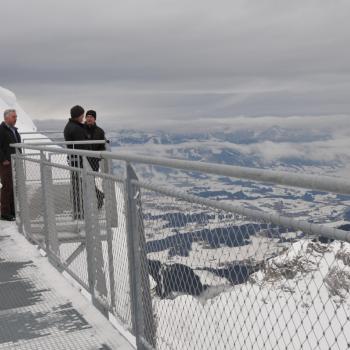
(48, 313)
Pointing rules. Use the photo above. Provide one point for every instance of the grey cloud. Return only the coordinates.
(155, 60)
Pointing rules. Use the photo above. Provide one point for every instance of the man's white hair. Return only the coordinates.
(9, 111)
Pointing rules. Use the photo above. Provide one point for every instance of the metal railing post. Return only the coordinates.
(95, 262)
(51, 240)
(15, 192)
(108, 188)
(108, 163)
(22, 195)
(142, 314)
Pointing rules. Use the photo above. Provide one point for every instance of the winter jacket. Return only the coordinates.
(6, 138)
(96, 133)
(75, 131)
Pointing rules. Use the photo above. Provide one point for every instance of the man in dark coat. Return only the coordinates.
(8, 135)
(95, 133)
(76, 131)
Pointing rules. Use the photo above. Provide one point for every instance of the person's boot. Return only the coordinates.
(8, 217)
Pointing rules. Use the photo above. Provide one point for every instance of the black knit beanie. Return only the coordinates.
(76, 112)
(92, 113)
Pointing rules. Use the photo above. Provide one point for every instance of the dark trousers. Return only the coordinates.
(7, 199)
(94, 163)
(77, 187)
(77, 195)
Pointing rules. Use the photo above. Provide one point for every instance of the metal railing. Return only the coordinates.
(41, 136)
(180, 271)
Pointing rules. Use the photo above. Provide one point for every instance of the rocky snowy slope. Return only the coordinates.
(298, 300)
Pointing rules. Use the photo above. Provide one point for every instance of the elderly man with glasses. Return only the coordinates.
(8, 135)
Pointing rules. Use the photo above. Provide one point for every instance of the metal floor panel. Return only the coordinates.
(39, 309)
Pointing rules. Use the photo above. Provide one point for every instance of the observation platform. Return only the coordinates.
(40, 308)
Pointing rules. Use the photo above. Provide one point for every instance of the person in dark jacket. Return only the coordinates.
(95, 133)
(76, 131)
(8, 135)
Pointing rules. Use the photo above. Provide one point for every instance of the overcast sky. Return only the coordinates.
(147, 62)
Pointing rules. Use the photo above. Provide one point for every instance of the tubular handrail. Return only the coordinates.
(39, 132)
(87, 142)
(312, 182)
(44, 139)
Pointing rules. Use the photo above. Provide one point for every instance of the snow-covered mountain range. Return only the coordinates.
(308, 144)
(274, 146)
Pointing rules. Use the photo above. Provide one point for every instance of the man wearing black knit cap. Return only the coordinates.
(75, 131)
(95, 133)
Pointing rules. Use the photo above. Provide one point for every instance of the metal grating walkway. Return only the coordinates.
(39, 309)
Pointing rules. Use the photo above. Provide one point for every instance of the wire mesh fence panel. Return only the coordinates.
(120, 260)
(66, 238)
(15, 192)
(34, 195)
(110, 195)
(224, 281)
(67, 194)
(73, 256)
